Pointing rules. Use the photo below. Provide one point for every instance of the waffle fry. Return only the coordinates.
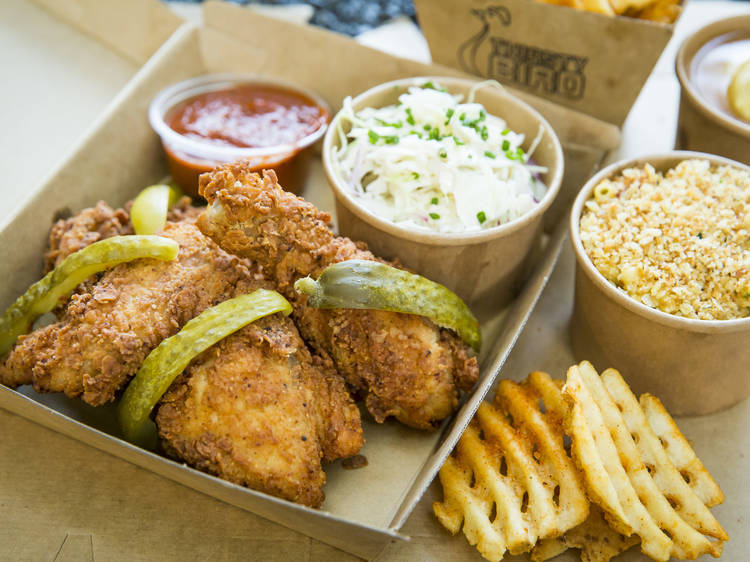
(510, 482)
(680, 452)
(628, 470)
(597, 541)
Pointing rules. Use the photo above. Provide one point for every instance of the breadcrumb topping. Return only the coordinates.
(678, 242)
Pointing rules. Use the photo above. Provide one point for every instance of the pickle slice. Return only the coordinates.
(369, 284)
(149, 211)
(44, 295)
(173, 354)
(739, 92)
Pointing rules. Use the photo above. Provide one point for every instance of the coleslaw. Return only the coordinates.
(437, 163)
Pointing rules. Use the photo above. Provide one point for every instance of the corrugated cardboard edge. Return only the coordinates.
(590, 62)
(120, 25)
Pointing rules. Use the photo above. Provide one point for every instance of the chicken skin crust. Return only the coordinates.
(90, 225)
(256, 409)
(403, 365)
(107, 330)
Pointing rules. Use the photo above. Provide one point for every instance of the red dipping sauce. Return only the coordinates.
(229, 118)
(253, 115)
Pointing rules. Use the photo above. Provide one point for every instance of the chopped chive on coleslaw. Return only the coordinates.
(436, 162)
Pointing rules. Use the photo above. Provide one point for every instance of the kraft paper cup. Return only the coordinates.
(701, 125)
(484, 268)
(693, 366)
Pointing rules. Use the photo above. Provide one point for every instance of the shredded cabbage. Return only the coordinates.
(435, 163)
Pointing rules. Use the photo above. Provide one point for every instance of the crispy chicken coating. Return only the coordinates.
(90, 225)
(256, 409)
(404, 365)
(99, 222)
(182, 211)
(106, 331)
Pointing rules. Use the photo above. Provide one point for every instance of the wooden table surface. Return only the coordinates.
(63, 500)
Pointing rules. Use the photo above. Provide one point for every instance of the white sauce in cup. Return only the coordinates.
(714, 65)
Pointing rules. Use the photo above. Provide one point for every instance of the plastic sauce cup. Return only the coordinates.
(190, 156)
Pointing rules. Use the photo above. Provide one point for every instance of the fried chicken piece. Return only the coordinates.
(404, 365)
(256, 409)
(90, 225)
(107, 330)
(66, 237)
(184, 211)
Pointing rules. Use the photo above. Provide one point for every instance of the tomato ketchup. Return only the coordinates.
(266, 123)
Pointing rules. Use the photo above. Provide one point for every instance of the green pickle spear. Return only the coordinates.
(172, 355)
(149, 211)
(44, 295)
(369, 284)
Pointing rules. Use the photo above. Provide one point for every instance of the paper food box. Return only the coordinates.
(591, 62)
(364, 509)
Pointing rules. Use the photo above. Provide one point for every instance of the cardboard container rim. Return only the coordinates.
(661, 162)
(448, 239)
(685, 55)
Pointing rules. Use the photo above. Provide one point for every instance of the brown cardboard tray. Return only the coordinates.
(364, 509)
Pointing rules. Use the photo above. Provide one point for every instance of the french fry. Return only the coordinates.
(680, 452)
(595, 453)
(621, 7)
(511, 482)
(513, 488)
(628, 471)
(598, 6)
(663, 11)
(544, 431)
(597, 541)
(578, 4)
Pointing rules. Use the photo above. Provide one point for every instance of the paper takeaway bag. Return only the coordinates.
(591, 62)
